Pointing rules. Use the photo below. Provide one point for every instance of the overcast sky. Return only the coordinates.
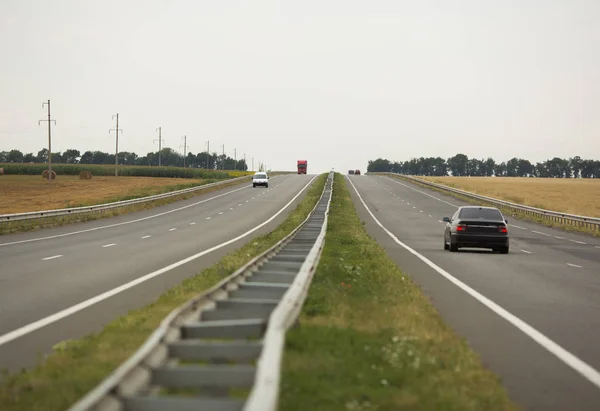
(337, 83)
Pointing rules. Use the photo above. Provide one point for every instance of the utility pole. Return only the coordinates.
(208, 155)
(184, 147)
(49, 140)
(245, 162)
(252, 163)
(160, 140)
(117, 144)
(223, 162)
(235, 158)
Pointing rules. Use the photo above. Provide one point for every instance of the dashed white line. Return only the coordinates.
(192, 223)
(253, 198)
(414, 207)
(440, 221)
(231, 209)
(172, 229)
(220, 212)
(146, 236)
(208, 218)
(247, 200)
(52, 258)
(420, 211)
(430, 216)
(573, 265)
(239, 205)
(540, 233)
(597, 246)
(560, 238)
(526, 252)
(519, 227)
(108, 245)
(578, 242)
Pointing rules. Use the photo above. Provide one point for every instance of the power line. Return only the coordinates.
(49, 140)
(160, 140)
(184, 148)
(117, 144)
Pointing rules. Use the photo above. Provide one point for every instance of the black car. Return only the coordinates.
(477, 227)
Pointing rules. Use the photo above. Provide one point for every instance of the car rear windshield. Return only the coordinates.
(260, 176)
(480, 214)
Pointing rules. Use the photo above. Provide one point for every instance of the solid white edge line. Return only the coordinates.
(122, 223)
(573, 265)
(578, 242)
(36, 325)
(52, 258)
(565, 356)
(539, 232)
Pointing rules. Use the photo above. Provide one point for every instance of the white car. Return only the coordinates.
(260, 179)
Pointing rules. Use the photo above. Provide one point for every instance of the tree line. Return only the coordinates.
(461, 165)
(168, 157)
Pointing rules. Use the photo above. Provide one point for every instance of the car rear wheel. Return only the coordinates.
(504, 250)
(446, 246)
(453, 246)
(266, 185)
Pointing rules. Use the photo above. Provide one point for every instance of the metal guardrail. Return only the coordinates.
(592, 223)
(209, 344)
(108, 206)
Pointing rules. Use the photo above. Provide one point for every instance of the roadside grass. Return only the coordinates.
(77, 366)
(368, 338)
(39, 223)
(530, 217)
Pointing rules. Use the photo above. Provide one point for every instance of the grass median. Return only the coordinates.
(370, 340)
(77, 366)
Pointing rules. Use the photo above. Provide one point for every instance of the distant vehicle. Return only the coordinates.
(356, 172)
(260, 179)
(302, 166)
(351, 172)
(476, 227)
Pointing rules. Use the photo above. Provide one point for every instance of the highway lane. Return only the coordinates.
(39, 278)
(534, 282)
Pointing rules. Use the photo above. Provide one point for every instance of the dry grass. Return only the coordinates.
(573, 196)
(21, 193)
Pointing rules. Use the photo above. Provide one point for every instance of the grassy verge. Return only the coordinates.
(78, 366)
(521, 215)
(369, 340)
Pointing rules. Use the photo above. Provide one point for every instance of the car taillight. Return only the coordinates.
(461, 227)
(503, 229)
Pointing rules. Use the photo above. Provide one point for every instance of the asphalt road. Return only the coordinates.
(550, 280)
(44, 272)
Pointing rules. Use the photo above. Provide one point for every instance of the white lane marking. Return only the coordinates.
(239, 205)
(539, 232)
(108, 245)
(192, 223)
(430, 216)
(586, 370)
(526, 252)
(231, 209)
(560, 238)
(208, 218)
(52, 258)
(407, 203)
(578, 242)
(597, 246)
(414, 207)
(519, 227)
(422, 192)
(220, 212)
(440, 221)
(36, 325)
(146, 236)
(172, 229)
(124, 222)
(253, 198)
(247, 200)
(573, 265)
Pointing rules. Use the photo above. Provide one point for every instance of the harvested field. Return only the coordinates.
(22, 193)
(573, 196)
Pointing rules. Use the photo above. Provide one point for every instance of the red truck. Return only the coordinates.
(302, 164)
